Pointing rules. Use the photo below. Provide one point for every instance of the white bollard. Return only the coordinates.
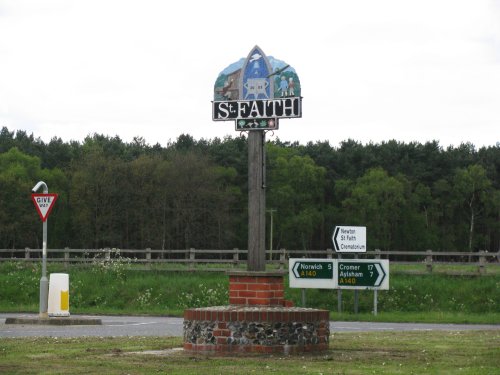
(58, 294)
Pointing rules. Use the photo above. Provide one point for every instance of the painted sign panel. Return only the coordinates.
(257, 88)
(261, 123)
(255, 78)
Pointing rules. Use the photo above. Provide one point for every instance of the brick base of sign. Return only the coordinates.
(258, 320)
(247, 288)
(253, 329)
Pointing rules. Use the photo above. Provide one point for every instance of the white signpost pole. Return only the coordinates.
(44, 282)
(356, 294)
(339, 293)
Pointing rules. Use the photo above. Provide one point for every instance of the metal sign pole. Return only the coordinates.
(44, 282)
(339, 293)
(356, 294)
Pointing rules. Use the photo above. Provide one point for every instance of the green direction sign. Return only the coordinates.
(311, 273)
(313, 270)
(363, 274)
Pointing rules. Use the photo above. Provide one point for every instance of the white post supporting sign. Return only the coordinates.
(44, 204)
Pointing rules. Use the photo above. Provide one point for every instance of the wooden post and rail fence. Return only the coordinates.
(223, 260)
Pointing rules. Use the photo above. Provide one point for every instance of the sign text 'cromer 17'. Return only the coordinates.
(349, 239)
(363, 274)
(256, 92)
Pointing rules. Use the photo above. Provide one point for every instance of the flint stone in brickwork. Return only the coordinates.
(253, 329)
(197, 332)
(201, 332)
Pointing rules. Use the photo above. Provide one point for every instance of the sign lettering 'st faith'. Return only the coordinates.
(44, 204)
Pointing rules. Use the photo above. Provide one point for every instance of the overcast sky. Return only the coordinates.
(369, 70)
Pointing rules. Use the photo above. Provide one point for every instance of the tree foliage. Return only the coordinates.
(193, 193)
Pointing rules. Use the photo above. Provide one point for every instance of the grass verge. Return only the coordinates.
(451, 352)
(112, 288)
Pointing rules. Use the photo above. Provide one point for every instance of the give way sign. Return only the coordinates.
(44, 204)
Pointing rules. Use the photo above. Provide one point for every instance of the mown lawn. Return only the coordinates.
(451, 352)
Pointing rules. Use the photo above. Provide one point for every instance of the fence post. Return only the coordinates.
(26, 253)
(107, 253)
(428, 261)
(482, 262)
(148, 258)
(329, 253)
(282, 259)
(191, 258)
(66, 258)
(377, 253)
(236, 257)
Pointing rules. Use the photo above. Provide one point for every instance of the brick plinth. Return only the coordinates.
(257, 289)
(255, 329)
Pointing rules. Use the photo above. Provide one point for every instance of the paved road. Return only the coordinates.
(165, 326)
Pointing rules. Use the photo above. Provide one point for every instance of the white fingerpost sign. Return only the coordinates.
(349, 239)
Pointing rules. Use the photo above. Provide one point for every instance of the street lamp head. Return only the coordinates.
(38, 185)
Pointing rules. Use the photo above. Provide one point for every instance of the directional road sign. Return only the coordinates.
(349, 239)
(311, 273)
(339, 273)
(363, 274)
(44, 204)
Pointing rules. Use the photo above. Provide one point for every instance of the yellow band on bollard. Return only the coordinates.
(65, 300)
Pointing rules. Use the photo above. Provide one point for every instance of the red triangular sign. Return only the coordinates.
(44, 204)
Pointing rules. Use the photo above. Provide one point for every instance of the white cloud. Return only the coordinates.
(370, 71)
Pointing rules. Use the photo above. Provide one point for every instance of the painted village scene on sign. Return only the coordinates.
(256, 92)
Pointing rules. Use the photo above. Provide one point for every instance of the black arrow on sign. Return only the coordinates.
(335, 244)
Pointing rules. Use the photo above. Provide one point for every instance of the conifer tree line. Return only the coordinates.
(193, 193)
